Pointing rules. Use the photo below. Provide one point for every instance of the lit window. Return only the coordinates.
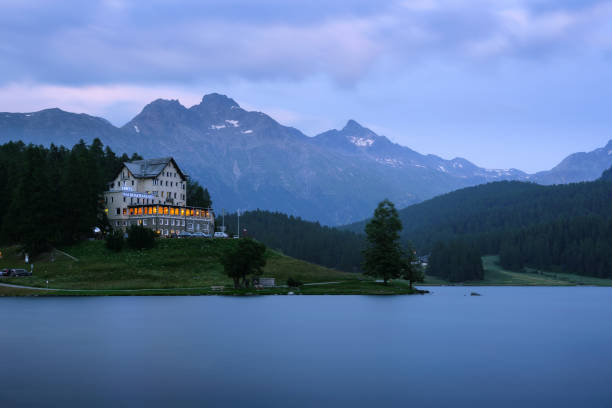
(124, 211)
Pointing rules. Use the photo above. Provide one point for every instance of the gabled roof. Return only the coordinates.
(151, 167)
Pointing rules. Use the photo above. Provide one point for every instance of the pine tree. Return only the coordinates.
(383, 258)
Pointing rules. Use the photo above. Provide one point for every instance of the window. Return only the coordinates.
(153, 221)
(112, 200)
(124, 199)
(144, 222)
(118, 211)
(117, 223)
(138, 201)
(174, 195)
(132, 182)
(166, 221)
(166, 182)
(124, 211)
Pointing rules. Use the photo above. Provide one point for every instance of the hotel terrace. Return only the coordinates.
(153, 193)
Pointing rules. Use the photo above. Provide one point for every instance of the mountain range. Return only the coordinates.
(248, 160)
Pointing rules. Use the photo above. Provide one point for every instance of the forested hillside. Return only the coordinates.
(581, 245)
(560, 227)
(53, 195)
(301, 239)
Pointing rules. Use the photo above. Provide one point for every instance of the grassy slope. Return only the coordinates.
(173, 267)
(496, 275)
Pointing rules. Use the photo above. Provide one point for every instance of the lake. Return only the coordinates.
(512, 346)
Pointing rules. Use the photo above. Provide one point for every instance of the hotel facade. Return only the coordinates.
(153, 193)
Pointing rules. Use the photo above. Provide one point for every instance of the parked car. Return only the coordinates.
(220, 234)
(5, 272)
(20, 272)
(199, 234)
(185, 234)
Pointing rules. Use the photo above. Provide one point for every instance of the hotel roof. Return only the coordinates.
(151, 167)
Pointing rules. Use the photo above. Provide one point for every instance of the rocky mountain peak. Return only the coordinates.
(219, 101)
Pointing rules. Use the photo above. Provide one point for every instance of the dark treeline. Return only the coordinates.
(455, 261)
(197, 196)
(580, 245)
(301, 239)
(51, 196)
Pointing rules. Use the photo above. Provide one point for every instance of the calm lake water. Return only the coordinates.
(537, 347)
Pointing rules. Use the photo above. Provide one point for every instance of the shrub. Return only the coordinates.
(294, 283)
(140, 237)
(115, 241)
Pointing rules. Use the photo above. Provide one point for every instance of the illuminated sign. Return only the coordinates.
(138, 195)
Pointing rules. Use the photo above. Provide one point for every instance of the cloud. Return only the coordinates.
(104, 101)
(119, 41)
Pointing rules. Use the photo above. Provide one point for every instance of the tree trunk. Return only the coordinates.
(236, 283)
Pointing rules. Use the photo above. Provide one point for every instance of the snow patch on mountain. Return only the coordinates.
(136, 129)
(361, 141)
(391, 162)
(233, 123)
(246, 132)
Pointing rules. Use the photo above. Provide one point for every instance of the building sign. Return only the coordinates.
(137, 195)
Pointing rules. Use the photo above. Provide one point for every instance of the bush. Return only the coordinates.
(115, 241)
(293, 283)
(140, 237)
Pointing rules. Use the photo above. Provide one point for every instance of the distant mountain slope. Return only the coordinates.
(607, 175)
(58, 127)
(247, 160)
(578, 167)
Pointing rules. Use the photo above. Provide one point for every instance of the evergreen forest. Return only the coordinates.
(51, 196)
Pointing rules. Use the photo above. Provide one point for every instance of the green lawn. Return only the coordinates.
(496, 275)
(187, 266)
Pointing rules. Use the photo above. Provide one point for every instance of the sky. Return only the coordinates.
(502, 83)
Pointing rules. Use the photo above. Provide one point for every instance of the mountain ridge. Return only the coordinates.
(248, 160)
